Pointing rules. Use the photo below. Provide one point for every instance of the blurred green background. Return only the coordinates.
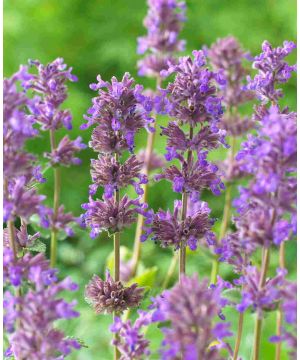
(99, 37)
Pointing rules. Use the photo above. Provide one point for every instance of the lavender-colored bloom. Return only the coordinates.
(260, 298)
(36, 309)
(235, 250)
(227, 55)
(179, 141)
(120, 112)
(271, 157)
(23, 239)
(112, 175)
(21, 202)
(130, 341)
(112, 296)
(272, 70)
(168, 230)
(64, 153)
(17, 270)
(192, 95)
(50, 84)
(191, 308)
(194, 176)
(109, 215)
(163, 23)
(60, 221)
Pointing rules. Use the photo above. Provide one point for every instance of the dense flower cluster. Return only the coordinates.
(163, 23)
(130, 341)
(272, 70)
(168, 230)
(29, 317)
(112, 296)
(191, 307)
(20, 171)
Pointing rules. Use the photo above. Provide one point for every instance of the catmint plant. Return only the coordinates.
(226, 55)
(32, 300)
(119, 110)
(161, 44)
(191, 308)
(50, 90)
(267, 207)
(192, 101)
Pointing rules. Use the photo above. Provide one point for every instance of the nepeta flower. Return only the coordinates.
(168, 230)
(108, 172)
(236, 250)
(272, 69)
(163, 22)
(260, 298)
(120, 112)
(23, 239)
(112, 296)
(191, 308)
(179, 141)
(193, 176)
(21, 201)
(58, 222)
(109, 215)
(227, 55)
(130, 341)
(64, 153)
(36, 308)
(192, 95)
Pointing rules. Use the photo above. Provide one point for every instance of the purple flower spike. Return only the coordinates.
(190, 307)
(163, 23)
(272, 70)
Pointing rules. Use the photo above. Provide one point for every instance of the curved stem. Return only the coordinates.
(140, 220)
(258, 322)
(56, 195)
(238, 336)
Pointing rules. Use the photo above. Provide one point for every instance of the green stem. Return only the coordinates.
(258, 322)
(171, 270)
(238, 336)
(116, 262)
(182, 249)
(56, 195)
(226, 214)
(137, 248)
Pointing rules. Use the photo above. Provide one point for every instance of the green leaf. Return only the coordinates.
(147, 278)
(38, 246)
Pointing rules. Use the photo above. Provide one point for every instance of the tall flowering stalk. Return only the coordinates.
(189, 311)
(31, 301)
(227, 55)
(192, 101)
(119, 112)
(267, 207)
(163, 22)
(49, 85)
